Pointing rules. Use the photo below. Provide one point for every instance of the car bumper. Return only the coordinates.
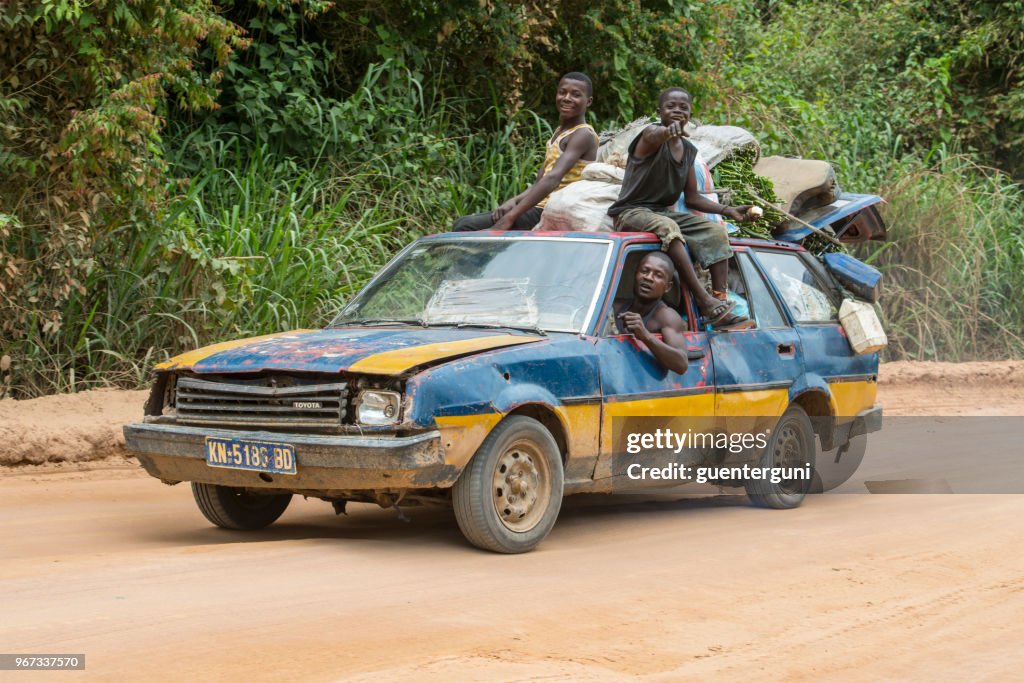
(845, 429)
(176, 453)
(867, 421)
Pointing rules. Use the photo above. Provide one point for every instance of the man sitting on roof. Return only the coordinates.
(658, 170)
(570, 149)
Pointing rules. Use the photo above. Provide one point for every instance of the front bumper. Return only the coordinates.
(176, 453)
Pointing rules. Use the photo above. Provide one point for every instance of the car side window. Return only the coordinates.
(624, 292)
(806, 298)
(762, 304)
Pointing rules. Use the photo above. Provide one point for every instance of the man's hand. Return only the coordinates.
(503, 209)
(504, 223)
(742, 214)
(676, 130)
(634, 324)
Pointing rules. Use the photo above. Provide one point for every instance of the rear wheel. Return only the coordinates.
(791, 446)
(508, 497)
(232, 508)
(835, 467)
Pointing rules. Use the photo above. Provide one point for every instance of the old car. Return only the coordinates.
(483, 372)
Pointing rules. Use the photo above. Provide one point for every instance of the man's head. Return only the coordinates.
(575, 94)
(654, 276)
(674, 104)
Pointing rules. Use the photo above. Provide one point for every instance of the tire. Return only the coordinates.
(791, 445)
(830, 474)
(231, 508)
(508, 497)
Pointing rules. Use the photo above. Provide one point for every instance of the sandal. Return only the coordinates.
(718, 313)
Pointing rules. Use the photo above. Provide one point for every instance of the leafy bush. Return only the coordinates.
(81, 93)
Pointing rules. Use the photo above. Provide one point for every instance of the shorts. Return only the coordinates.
(708, 242)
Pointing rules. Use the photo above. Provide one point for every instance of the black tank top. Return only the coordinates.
(656, 181)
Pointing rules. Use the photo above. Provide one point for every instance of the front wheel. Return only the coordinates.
(790, 448)
(232, 508)
(508, 497)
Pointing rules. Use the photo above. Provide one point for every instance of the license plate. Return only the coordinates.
(243, 454)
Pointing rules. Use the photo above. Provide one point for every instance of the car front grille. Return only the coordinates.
(206, 402)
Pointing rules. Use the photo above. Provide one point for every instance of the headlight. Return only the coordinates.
(378, 407)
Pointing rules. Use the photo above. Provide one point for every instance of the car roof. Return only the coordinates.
(618, 237)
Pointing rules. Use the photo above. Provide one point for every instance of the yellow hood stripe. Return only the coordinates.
(190, 358)
(394, 362)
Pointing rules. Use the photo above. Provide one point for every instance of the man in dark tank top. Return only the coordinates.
(658, 171)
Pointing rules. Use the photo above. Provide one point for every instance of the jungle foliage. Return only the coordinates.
(178, 172)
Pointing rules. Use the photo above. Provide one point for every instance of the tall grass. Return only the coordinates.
(850, 83)
(954, 265)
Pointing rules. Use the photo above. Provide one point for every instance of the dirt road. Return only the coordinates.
(113, 564)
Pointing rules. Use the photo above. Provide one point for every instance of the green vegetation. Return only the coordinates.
(180, 172)
(954, 265)
(736, 174)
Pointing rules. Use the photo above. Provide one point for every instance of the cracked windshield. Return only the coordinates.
(538, 284)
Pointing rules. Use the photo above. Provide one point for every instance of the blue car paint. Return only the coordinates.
(329, 350)
(551, 372)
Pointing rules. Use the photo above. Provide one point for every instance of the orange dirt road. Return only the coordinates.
(110, 563)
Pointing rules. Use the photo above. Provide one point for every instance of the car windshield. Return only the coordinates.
(545, 284)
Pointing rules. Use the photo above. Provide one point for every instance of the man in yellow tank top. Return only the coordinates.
(570, 149)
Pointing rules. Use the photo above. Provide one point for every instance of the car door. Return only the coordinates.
(637, 391)
(754, 368)
(813, 304)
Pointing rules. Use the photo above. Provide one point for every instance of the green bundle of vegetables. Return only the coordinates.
(736, 174)
(818, 245)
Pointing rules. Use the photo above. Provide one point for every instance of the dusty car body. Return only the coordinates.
(484, 372)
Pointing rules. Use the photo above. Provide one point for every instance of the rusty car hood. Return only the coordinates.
(377, 351)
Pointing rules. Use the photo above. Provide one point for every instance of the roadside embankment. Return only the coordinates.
(67, 428)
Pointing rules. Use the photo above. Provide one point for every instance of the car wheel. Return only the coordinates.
(232, 508)
(508, 497)
(830, 474)
(791, 446)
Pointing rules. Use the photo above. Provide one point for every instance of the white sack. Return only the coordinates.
(581, 206)
(718, 143)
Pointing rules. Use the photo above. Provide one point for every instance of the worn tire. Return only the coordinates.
(830, 474)
(791, 445)
(232, 508)
(508, 497)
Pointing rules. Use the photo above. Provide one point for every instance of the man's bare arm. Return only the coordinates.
(579, 145)
(670, 350)
(698, 202)
(510, 204)
(656, 135)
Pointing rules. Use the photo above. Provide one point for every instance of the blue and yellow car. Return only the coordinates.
(484, 372)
